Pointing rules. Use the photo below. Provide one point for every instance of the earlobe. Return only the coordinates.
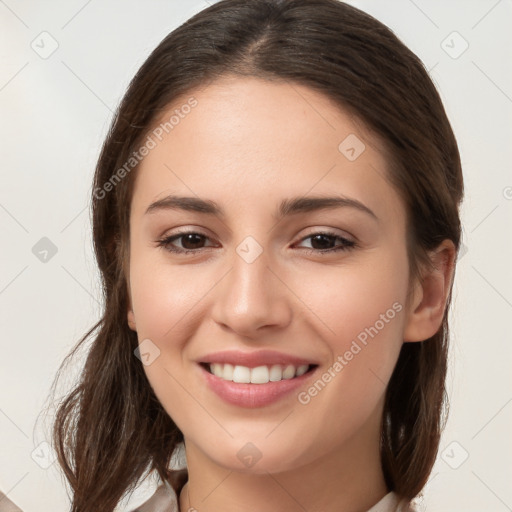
(131, 320)
(428, 307)
(130, 315)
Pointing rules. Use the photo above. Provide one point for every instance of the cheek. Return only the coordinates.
(347, 301)
(164, 298)
(360, 316)
(167, 304)
(364, 312)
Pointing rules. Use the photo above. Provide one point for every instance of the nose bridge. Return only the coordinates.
(250, 295)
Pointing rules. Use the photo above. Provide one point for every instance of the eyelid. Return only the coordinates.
(179, 234)
(347, 244)
(315, 230)
(331, 232)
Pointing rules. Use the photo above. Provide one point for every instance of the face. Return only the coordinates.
(264, 279)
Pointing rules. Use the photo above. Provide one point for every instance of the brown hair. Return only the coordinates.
(111, 430)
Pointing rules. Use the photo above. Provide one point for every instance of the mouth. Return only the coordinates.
(255, 379)
(257, 375)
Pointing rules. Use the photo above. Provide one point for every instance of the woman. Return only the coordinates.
(297, 377)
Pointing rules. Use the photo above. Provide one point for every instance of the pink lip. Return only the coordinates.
(253, 359)
(253, 395)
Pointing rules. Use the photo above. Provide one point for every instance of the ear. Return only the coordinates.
(130, 315)
(131, 320)
(430, 295)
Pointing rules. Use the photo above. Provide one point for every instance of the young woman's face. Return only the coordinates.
(258, 279)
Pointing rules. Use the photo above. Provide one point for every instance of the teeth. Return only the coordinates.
(301, 370)
(257, 375)
(276, 373)
(242, 374)
(289, 372)
(227, 371)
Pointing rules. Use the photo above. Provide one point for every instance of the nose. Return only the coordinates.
(252, 298)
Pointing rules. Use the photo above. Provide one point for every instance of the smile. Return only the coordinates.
(257, 375)
(258, 386)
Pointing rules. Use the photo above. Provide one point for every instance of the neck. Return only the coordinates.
(347, 479)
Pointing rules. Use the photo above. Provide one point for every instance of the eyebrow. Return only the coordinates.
(292, 206)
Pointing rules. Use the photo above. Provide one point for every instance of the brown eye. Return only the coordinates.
(324, 242)
(190, 242)
(193, 242)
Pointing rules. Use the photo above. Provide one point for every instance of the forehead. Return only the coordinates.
(248, 140)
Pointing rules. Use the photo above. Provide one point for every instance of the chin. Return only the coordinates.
(258, 458)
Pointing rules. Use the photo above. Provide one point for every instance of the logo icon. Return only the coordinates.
(44, 45)
(454, 455)
(249, 455)
(44, 250)
(147, 352)
(351, 147)
(454, 45)
(249, 249)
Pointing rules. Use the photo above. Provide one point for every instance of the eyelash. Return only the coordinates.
(347, 245)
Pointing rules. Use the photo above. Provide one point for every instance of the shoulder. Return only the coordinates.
(392, 503)
(6, 505)
(165, 498)
(405, 506)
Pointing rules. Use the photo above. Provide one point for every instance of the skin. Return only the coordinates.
(247, 145)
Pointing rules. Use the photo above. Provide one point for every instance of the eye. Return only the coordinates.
(192, 242)
(325, 239)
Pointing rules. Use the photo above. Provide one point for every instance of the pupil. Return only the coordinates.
(325, 238)
(187, 239)
(324, 241)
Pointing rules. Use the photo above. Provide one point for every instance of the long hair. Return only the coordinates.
(110, 431)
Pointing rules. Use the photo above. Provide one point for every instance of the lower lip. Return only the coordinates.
(253, 395)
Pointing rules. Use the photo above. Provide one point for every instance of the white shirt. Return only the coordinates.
(166, 500)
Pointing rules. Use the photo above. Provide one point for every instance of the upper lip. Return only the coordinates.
(254, 359)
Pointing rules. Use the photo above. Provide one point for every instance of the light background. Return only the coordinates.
(55, 113)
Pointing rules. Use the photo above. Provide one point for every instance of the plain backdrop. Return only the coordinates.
(64, 67)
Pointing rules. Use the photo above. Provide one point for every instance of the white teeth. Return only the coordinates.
(227, 372)
(289, 372)
(276, 373)
(241, 374)
(216, 369)
(301, 370)
(257, 375)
